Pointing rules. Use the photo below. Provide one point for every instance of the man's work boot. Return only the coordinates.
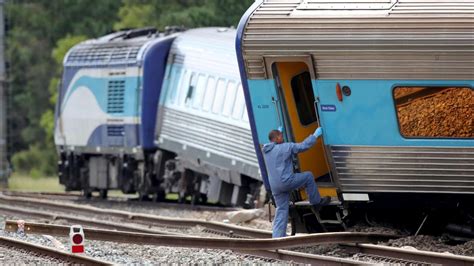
(323, 202)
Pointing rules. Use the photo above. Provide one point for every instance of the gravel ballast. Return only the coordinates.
(121, 253)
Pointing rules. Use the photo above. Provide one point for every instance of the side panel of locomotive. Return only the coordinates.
(106, 110)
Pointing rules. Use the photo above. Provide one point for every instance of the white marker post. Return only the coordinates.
(76, 235)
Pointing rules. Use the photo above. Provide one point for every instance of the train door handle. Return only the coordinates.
(275, 102)
(315, 103)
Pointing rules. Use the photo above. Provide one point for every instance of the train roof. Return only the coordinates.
(211, 50)
(118, 48)
(358, 39)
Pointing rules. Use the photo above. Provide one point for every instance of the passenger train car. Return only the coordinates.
(203, 119)
(391, 84)
(150, 112)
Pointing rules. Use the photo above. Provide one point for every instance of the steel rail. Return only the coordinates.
(299, 257)
(201, 242)
(406, 254)
(83, 221)
(117, 199)
(50, 252)
(147, 219)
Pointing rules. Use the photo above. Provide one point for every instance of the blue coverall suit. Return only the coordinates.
(278, 158)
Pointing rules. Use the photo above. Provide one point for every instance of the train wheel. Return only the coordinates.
(143, 196)
(86, 193)
(203, 198)
(103, 193)
(159, 196)
(181, 197)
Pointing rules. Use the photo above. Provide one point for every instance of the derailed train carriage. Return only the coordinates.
(391, 83)
(152, 113)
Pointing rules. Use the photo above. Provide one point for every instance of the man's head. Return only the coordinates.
(276, 136)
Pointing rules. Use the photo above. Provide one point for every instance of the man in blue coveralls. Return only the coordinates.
(278, 158)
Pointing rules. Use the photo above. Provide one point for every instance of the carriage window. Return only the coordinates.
(173, 85)
(209, 95)
(199, 91)
(183, 86)
(304, 98)
(435, 112)
(229, 98)
(239, 103)
(219, 98)
(192, 86)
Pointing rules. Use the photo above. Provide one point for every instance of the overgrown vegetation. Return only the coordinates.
(41, 31)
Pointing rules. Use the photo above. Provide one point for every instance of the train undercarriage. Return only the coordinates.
(152, 176)
(415, 214)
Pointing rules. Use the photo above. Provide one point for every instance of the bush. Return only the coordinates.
(36, 161)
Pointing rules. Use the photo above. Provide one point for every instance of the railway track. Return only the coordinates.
(77, 197)
(137, 218)
(271, 248)
(57, 256)
(366, 252)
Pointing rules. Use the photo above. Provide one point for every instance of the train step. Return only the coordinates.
(329, 220)
(305, 203)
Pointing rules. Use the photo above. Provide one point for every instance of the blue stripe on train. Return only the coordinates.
(366, 117)
(123, 135)
(98, 87)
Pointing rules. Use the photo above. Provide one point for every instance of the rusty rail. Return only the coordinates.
(146, 219)
(74, 196)
(201, 242)
(82, 221)
(416, 255)
(50, 252)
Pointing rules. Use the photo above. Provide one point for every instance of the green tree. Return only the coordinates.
(42, 31)
(188, 13)
(35, 27)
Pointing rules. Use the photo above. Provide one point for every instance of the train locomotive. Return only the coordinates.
(391, 84)
(156, 113)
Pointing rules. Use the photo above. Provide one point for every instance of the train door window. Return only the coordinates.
(191, 88)
(435, 112)
(199, 91)
(239, 103)
(229, 98)
(209, 95)
(304, 98)
(219, 97)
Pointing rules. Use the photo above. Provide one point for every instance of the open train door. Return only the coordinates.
(297, 103)
(298, 110)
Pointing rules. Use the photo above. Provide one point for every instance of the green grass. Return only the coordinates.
(19, 182)
(22, 182)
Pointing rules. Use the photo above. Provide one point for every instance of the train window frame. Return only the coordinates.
(191, 88)
(199, 91)
(175, 77)
(397, 117)
(183, 85)
(209, 93)
(296, 105)
(220, 93)
(239, 104)
(229, 100)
